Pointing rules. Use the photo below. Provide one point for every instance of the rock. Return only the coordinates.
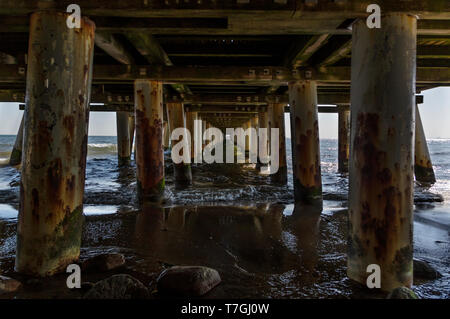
(402, 293)
(423, 270)
(104, 262)
(188, 280)
(86, 286)
(8, 284)
(120, 286)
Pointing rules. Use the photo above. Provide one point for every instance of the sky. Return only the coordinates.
(435, 113)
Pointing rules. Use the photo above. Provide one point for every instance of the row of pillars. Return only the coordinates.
(380, 151)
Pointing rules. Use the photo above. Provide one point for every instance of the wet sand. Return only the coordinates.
(262, 251)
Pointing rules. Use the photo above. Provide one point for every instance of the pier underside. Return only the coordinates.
(162, 65)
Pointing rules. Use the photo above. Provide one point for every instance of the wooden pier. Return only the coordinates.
(230, 63)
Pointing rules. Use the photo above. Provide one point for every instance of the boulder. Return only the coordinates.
(187, 280)
(8, 284)
(402, 293)
(104, 262)
(423, 270)
(120, 286)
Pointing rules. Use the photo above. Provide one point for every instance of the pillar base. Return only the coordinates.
(424, 175)
(280, 177)
(124, 161)
(16, 157)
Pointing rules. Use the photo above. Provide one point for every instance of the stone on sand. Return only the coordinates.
(402, 293)
(423, 270)
(120, 286)
(104, 262)
(188, 280)
(8, 284)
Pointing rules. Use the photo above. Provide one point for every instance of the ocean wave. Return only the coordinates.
(102, 149)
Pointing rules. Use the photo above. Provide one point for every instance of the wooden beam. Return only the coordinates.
(156, 8)
(112, 46)
(340, 53)
(241, 75)
(152, 51)
(299, 53)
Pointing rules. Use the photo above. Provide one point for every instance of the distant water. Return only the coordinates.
(107, 185)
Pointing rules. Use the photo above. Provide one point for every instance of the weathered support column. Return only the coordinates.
(182, 171)
(123, 138)
(16, 153)
(166, 135)
(254, 136)
(166, 127)
(132, 126)
(305, 143)
(55, 143)
(263, 138)
(276, 119)
(149, 150)
(190, 118)
(423, 169)
(381, 153)
(343, 140)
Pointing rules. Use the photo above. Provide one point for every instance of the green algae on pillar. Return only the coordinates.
(423, 168)
(123, 138)
(182, 170)
(305, 143)
(381, 153)
(16, 153)
(56, 121)
(149, 149)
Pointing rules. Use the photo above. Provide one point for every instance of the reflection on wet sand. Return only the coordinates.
(248, 237)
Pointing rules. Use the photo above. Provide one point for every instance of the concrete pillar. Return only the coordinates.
(254, 138)
(263, 138)
(343, 140)
(246, 126)
(190, 118)
(423, 169)
(305, 143)
(182, 171)
(276, 120)
(149, 151)
(123, 138)
(381, 155)
(132, 127)
(167, 127)
(16, 153)
(166, 135)
(55, 143)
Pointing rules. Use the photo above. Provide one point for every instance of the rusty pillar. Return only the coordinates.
(166, 135)
(149, 150)
(182, 171)
(123, 138)
(246, 126)
(381, 153)
(423, 169)
(16, 153)
(254, 139)
(167, 127)
(263, 138)
(276, 119)
(132, 127)
(343, 140)
(305, 143)
(190, 118)
(55, 143)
